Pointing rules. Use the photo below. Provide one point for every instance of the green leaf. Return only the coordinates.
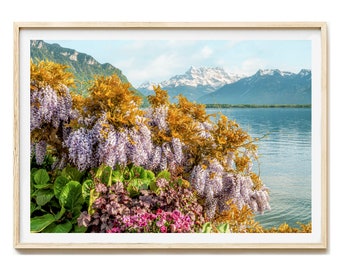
(33, 207)
(43, 186)
(33, 171)
(150, 175)
(72, 173)
(64, 227)
(59, 184)
(60, 213)
(207, 227)
(145, 183)
(71, 196)
(77, 229)
(93, 196)
(137, 172)
(86, 189)
(153, 186)
(117, 176)
(43, 196)
(106, 176)
(133, 188)
(223, 228)
(164, 174)
(41, 177)
(40, 223)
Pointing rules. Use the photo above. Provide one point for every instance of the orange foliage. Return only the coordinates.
(112, 96)
(242, 221)
(49, 73)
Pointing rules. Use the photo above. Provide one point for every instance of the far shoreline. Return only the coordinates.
(225, 106)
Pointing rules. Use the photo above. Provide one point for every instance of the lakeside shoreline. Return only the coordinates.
(224, 106)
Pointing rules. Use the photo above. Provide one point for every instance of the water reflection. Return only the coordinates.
(285, 159)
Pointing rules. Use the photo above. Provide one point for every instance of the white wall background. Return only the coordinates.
(171, 10)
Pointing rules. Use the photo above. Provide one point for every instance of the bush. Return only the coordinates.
(107, 133)
(159, 205)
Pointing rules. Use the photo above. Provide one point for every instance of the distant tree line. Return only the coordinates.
(223, 106)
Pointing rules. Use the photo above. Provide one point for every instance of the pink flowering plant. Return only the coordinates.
(169, 207)
(160, 222)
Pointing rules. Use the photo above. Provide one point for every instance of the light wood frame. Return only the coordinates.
(319, 26)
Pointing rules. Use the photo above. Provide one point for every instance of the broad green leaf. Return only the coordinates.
(33, 171)
(164, 174)
(223, 228)
(117, 176)
(60, 213)
(72, 174)
(43, 196)
(133, 189)
(43, 186)
(40, 223)
(33, 207)
(153, 185)
(64, 227)
(71, 195)
(41, 177)
(150, 175)
(86, 188)
(78, 229)
(93, 196)
(106, 177)
(207, 227)
(145, 183)
(59, 184)
(137, 172)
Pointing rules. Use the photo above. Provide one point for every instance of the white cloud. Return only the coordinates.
(161, 68)
(250, 66)
(206, 52)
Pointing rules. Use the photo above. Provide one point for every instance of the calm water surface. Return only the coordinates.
(285, 159)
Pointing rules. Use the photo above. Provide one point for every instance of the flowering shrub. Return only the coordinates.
(51, 110)
(108, 128)
(215, 157)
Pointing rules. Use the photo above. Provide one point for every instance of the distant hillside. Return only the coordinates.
(265, 87)
(83, 66)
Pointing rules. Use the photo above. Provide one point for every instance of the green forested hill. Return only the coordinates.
(83, 66)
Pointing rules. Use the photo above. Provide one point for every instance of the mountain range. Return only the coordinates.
(215, 86)
(270, 86)
(196, 82)
(83, 66)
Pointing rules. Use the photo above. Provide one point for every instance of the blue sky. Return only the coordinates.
(158, 60)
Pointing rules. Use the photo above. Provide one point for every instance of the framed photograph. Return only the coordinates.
(170, 135)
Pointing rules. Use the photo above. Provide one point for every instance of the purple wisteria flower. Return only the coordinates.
(218, 187)
(80, 145)
(40, 152)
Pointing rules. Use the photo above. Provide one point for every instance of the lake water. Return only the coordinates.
(285, 159)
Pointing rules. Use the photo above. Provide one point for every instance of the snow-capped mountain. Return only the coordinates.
(268, 86)
(195, 83)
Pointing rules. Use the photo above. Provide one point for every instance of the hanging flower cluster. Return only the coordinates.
(51, 108)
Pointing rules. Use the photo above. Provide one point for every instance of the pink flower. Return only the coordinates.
(163, 229)
(114, 230)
